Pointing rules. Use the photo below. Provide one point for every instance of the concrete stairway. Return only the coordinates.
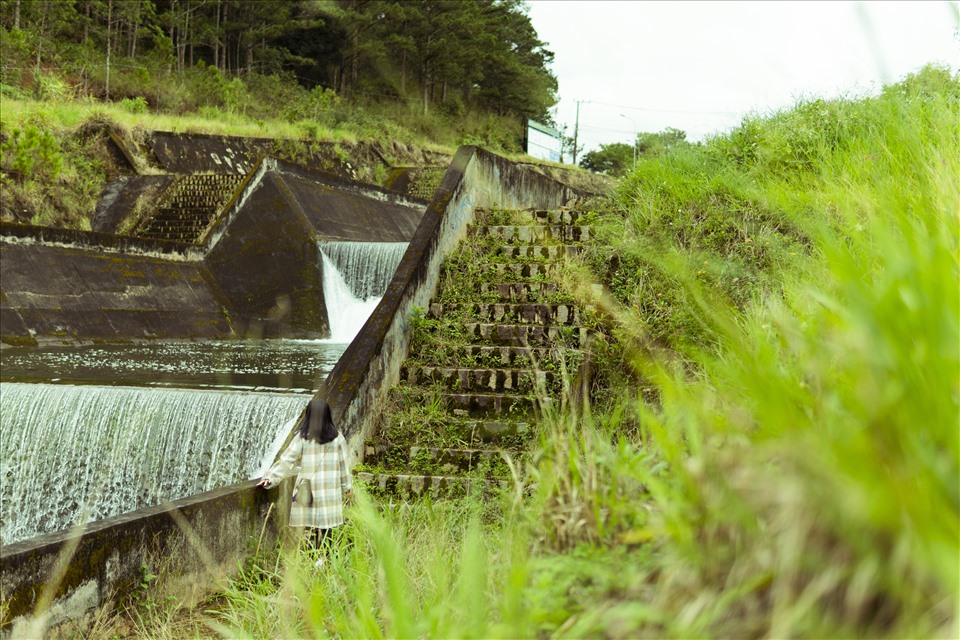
(189, 206)
(497, 344)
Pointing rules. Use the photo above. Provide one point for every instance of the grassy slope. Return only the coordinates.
(67, 167)
(774, 451)
(61, 187)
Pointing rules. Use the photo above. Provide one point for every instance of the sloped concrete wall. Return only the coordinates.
(198, 153)
(266, 263)
(123, 195)
(204, 536)
(93, 287)
(341, 209)
(264, 252)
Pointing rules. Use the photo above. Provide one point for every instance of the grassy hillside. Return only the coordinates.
(774, 447)
(54, 161)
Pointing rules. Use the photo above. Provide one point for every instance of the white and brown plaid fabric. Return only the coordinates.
(325, 467)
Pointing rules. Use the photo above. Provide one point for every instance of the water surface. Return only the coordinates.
(285, 366)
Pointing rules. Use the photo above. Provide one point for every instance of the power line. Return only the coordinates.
(606, 129)
(623, 106)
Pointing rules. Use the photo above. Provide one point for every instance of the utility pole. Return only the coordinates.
(576, 130)
(635, 135)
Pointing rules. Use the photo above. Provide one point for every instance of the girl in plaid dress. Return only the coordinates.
(318, 454)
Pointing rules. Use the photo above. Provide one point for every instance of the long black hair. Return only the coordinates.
(317, 423)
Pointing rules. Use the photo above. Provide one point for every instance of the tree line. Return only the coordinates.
(448, 54)
(618, 158)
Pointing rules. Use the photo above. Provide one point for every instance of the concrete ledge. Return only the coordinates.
(201, 152)
(15, 233)
(207, 534)
(67, 294)
(361, 381)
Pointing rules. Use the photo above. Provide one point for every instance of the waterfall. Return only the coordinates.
(87, 452)
(355, 277)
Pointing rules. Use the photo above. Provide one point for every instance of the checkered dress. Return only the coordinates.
(324, 468)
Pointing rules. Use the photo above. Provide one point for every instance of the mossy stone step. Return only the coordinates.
(531, 234)
(531, 293)
(495, 430)
(436, 460)
(556, 216)
(521, 271)
(490, 380)
(506, 292)
(522, 335)
(477, 356)
(173, 237)
(476, 405)
(543, 252)
(410, 486)
(472, 432)
(555, 314)
(182, 215)
(198, 200)
(550, 216)
(519, 291)
(177, 224)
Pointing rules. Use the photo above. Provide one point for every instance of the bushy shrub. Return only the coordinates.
(32, 153)
(50, 87)
(210, 88)
(134, 105)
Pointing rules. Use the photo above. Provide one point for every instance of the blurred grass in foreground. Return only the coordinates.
(774, 447)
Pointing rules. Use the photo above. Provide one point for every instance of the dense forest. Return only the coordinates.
(254, 56)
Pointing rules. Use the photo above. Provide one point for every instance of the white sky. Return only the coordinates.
(701, 66)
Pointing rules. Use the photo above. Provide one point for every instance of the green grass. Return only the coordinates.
(809, 442)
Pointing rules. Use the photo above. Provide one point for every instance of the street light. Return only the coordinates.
(634, 139)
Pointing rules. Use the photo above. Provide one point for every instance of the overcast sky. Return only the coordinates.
(701, 66)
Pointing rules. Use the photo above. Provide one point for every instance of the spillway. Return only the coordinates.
(355, 277)
(82, 453)
(100, 446)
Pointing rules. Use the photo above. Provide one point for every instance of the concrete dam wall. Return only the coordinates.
(257, 281)
(254, 274)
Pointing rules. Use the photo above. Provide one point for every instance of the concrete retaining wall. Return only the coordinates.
(78, 292)
(192, 153)
(199, 538)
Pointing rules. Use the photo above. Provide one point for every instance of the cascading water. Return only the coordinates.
(355, 277)
(85, 452)
(73, 454)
